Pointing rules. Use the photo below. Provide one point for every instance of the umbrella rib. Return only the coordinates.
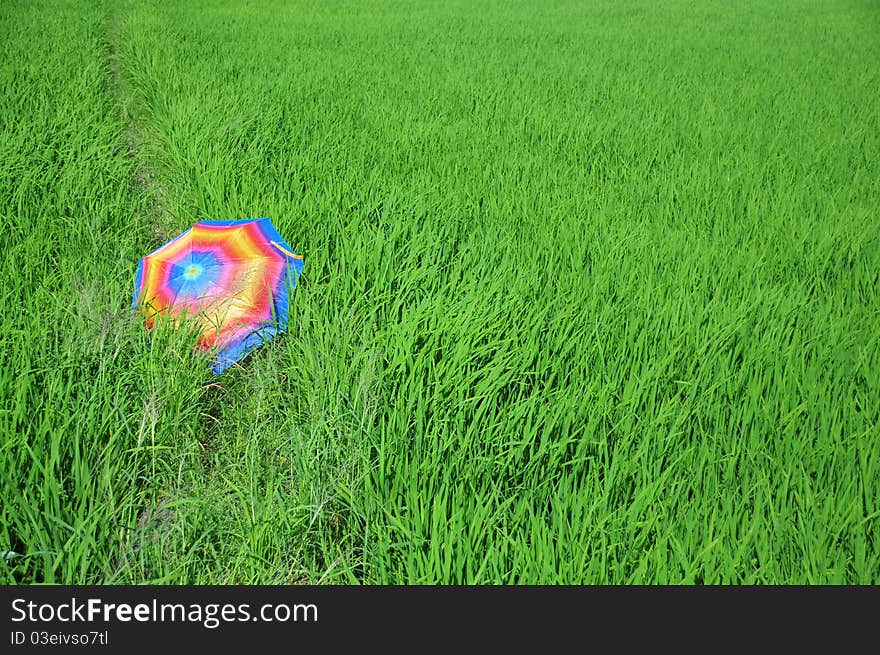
(177, 293)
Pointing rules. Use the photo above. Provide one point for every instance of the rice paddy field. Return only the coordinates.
(591, 292)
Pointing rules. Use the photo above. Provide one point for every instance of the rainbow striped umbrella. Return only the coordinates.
(233, 278)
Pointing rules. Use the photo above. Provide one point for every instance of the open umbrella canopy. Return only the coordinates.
(232, 278)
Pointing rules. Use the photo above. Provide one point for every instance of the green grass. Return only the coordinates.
(592, 292)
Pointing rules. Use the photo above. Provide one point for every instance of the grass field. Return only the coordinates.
(592, 292)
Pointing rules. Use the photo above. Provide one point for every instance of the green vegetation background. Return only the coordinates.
(592, 292)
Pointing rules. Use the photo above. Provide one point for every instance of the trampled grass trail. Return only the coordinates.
(585, 300)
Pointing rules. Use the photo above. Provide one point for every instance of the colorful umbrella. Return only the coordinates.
(233, 278)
